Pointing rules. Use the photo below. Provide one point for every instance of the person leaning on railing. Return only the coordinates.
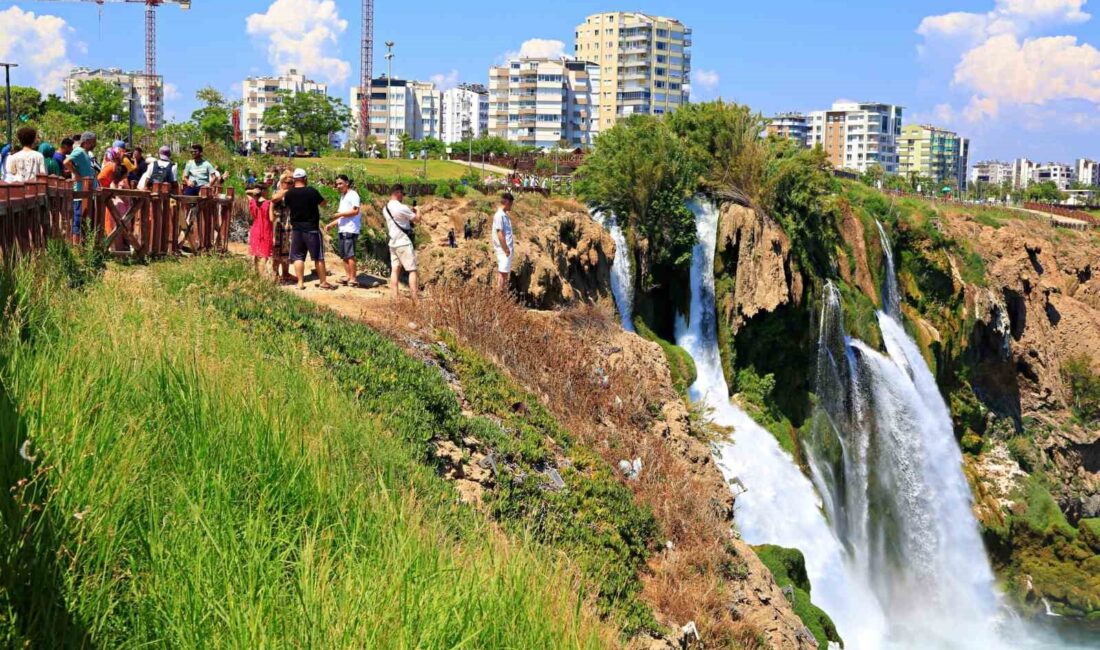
(79, 166)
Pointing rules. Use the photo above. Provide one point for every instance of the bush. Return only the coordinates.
(1084, 388)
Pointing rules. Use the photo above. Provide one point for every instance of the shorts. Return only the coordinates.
(77, 207)
(306, 241)
(345, 246)
(403, 256)
(190, 191)
(504, 262)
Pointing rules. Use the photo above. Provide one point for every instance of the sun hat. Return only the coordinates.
(299, 173)
(166, 153)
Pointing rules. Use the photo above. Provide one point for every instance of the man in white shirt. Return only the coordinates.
(349, 221)
(400, 220)
(25, 165)
(503, 241)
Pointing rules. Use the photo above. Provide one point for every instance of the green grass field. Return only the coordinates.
(390, 168)
(175, 480)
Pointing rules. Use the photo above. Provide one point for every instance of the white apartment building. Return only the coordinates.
(857, 135)
(465, 113)
(546, 103)
(261, 92)
(1087, 172)
(414, 108)
(1060, 174)
(993, 172)
(1024, 173)
(147, 114)
(427, 111)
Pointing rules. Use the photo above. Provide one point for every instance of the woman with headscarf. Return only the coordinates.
(280, 219)
(113, 175)
(53, 168)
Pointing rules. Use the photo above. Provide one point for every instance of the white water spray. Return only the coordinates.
(622, 277)
(891, 299)
(780, 505)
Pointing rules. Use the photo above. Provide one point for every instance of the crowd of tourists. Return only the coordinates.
(288, 227)
(120, 167)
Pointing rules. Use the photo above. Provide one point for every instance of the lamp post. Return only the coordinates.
(389, 98)
(133, 98)
(7, 84)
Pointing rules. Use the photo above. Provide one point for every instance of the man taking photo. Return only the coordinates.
(400, 220)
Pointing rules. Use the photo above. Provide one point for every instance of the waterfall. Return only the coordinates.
(891, 300)
(779, 505)
(622, 278)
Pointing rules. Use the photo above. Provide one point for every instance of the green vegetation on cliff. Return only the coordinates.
(173, 478)
(789, 568)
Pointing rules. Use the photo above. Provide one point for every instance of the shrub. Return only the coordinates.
(1084, 387)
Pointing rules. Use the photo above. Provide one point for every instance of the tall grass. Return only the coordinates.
(188, 488)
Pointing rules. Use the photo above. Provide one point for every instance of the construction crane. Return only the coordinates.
(366, 72)
(151, 98)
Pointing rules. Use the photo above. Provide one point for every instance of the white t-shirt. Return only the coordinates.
(24, 166)
(502, 222)
(348, 202)
(400, 216)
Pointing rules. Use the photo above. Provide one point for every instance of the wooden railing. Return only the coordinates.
(1062, 211)
(127, 223)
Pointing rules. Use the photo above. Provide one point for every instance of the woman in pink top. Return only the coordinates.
(261, 235)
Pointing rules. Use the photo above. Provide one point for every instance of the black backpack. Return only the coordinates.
(162, 172)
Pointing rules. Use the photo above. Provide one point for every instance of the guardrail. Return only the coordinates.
(127, 223)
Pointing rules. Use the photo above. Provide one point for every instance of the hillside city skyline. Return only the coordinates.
(1036, 110)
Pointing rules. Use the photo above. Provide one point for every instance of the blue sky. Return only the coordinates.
(1020, 77)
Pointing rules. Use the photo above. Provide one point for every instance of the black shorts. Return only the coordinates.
(345, 246)
(306, 241)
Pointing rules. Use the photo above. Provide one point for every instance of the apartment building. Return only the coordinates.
(261, 92)
(465, 112)
(1087, 172)
(1024, 173)
(1060, 174)
(149, 114)
(399, 107)
(795, 126)
(644, 61)
(942, 155)
(545, 102)
(857, 135)
(992, 172)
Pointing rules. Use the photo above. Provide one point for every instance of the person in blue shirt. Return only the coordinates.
(80, 166)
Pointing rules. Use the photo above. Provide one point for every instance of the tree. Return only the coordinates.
(26, 106)
(309, 117)
(874, 175)
(213, 119)
(1045, 192)
(99, 103)
(53, 126)
(725, 141)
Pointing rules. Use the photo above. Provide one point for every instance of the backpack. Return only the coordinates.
(162, 173)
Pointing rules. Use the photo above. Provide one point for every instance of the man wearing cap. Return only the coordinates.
(305, 204)
(161, 170)
(80, 167)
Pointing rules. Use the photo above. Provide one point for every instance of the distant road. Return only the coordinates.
(487, 167)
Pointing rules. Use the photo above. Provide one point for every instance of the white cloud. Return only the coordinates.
(171, 91)
(704, 83)
(39, 44)
(538, 48)
(298, 33)
(445, 81)
(980, 108)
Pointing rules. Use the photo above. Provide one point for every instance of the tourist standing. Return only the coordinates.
(305, 219)
(26, 164)
(400, 220)
(160, 170)
(198, 172)
(261, 234)
(348, 221)
(62, 154)
(281, 229)
(503, 241)
(81, 167)
(53, 168)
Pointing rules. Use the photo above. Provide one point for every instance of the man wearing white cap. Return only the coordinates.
(161, 170)
(305, 204)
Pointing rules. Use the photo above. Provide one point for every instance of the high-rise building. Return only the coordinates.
(133, 84)
(1087, 172)
(1024, 173)
(465, 112)
(261, 92)
(546, 103)
(789, 125)
(992, 172)
(1060, 174)
(857, 135)
(939, 154)
(413, 107)
(645, 62)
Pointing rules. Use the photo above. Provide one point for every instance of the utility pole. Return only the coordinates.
(7, 84)
(133, 96)
(389, 98)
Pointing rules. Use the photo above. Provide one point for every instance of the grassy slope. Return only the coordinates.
(393, 167)
(190, 492)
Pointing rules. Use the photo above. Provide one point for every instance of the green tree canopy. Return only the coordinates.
(99, 102)
(213, 119)
(725, 141)
(308, 117)
(1045, 192)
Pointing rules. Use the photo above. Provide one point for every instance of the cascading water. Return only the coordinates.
(780, 505)
(891, 299)
(622, 278)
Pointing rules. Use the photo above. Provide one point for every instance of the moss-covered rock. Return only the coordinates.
(788, 566)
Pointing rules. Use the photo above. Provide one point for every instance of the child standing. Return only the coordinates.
(261, 235)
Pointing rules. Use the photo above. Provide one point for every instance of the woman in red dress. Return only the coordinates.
(261, 234)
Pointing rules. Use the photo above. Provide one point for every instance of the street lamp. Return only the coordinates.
(389, 98)
(7, 84)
